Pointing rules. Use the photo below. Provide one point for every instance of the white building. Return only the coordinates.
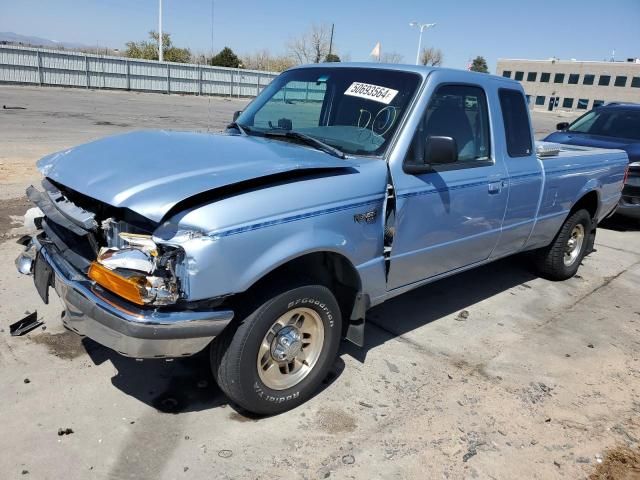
(574, 85)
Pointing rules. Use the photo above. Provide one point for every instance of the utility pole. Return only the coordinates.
(331, 40)
(212, 5)
(160, 31)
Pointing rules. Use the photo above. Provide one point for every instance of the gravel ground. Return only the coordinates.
(494, 373)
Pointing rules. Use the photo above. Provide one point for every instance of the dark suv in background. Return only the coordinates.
(615, 125)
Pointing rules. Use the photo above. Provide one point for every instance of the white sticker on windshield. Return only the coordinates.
(371, 92)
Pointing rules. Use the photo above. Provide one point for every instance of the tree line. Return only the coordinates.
(313, 46)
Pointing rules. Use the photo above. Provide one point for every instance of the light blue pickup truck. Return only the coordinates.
(337, 188)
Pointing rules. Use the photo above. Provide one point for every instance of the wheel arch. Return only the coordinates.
(325, 267)
(589, 201)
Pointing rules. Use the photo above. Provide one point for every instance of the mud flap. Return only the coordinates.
(591, 240)
(355, 329)
(42, 277)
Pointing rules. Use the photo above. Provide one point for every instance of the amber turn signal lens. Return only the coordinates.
(128, 288)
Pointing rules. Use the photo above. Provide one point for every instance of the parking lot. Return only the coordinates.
(493, 373)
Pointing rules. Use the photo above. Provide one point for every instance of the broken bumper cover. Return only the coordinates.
(130, 331)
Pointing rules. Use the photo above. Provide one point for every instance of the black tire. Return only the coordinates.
(549, 261)
(234, 354)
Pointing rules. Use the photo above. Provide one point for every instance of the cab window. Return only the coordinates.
(516, 122)
(459, 112)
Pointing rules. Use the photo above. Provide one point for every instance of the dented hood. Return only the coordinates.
(149, 172)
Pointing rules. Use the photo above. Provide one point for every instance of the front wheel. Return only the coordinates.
(561, 259)
(276, 357)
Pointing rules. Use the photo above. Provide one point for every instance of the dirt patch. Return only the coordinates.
(66, 345)
(536, 392)
(621, 463)
(14, 207)
(332, 420)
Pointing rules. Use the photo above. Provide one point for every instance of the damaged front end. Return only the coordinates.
(142, 271)
(119, 256)
(120, 285)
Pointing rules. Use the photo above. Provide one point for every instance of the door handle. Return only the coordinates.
(495, 187)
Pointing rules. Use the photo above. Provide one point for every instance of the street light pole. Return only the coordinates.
(160, 31)
(419, 45)
(422, 27)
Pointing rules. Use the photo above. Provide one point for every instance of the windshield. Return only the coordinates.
(609, 123)
(356, 110)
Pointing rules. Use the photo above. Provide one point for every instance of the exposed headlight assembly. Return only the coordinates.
(142, 272)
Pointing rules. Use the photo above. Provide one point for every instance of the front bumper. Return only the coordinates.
(116, 324)
(629, 205)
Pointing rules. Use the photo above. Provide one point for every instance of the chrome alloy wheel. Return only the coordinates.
(291, 348)
(574, 245)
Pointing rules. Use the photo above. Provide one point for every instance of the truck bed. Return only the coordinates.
(568, 174)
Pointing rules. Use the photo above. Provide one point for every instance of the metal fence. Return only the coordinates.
(38, 66)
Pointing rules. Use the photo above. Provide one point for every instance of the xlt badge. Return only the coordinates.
(367, 217)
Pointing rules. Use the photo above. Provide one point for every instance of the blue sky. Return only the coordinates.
(581, 29)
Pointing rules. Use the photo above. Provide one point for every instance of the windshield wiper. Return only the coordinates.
(308, 139)
(243, 129)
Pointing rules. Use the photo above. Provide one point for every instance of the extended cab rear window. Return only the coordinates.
(517, 130)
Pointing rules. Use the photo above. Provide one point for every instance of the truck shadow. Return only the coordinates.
(180, 385)
(429, 303)
(177, 386)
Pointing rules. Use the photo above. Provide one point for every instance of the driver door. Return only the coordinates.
(451, 216)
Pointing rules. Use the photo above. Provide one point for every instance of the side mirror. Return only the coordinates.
(236, 114)
(440, 150)
(437, 151)
(562, 126)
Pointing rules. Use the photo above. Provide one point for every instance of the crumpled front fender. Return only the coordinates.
(292, 247)
(218, 266)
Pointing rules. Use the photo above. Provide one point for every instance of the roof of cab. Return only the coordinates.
(422, 70)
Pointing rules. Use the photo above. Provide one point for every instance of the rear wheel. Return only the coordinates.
(276, 357)
(561, 259)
